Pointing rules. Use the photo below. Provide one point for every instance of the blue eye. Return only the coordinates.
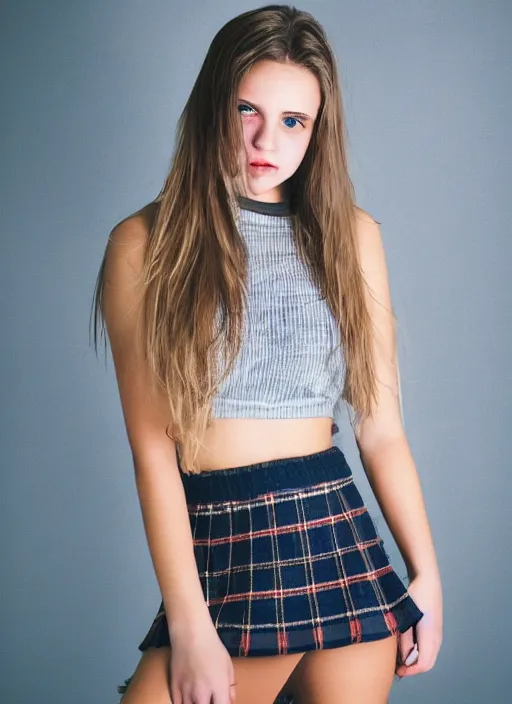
(243, 106)
(293, 118)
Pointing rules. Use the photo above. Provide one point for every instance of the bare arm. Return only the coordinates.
(382, 443)
(389, 465)
(146, 415)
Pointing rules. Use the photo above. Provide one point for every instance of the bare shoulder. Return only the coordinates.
(385, 421)
(134, 228)
(369, 241)
(365, 223)
(146, 410)
(122, 268)
(124, 251)
(363, 216)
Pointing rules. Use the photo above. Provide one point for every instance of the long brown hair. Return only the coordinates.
(195, 262)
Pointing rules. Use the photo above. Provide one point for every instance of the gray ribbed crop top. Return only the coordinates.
(291, 363)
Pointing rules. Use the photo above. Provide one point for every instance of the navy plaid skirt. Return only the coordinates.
(289, 559)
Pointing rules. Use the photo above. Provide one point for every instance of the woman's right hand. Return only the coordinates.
(201, 669)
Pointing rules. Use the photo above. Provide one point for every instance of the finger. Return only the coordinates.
(224, 692)
(176, 697)
(406, 644)
(412, 657)
(424, 663)
(420, 658)
(406, 670)
(232, 683)
(222, 696)
(410, 651)
(416, 669)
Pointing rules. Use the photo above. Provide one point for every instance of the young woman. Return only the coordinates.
(242, 306)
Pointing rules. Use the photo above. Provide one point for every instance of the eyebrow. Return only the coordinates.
(285, 112)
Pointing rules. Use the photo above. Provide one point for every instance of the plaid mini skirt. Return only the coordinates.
(289, 559)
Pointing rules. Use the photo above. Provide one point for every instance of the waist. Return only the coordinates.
(233, 442)
(245, 483)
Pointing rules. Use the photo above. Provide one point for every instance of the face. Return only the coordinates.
(278, 104)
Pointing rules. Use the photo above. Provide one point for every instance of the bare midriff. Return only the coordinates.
(236, 442)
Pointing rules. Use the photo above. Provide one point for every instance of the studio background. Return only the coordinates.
(91, 92)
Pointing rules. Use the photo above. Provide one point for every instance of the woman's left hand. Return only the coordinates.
(426, 592)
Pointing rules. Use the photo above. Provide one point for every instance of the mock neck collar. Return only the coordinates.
(282, 208)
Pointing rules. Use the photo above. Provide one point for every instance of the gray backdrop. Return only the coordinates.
(90, 95)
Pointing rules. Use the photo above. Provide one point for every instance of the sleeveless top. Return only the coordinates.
(291, 362)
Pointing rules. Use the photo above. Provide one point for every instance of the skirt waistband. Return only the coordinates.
(252, 480)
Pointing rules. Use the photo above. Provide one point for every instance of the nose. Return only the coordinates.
(264, 138)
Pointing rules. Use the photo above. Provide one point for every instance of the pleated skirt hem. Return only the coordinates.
(336, 633)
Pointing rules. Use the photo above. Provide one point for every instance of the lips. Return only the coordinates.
(261, 162)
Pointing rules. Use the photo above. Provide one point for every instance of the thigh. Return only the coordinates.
(361, 673)
(258, 679)
(150, 681)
